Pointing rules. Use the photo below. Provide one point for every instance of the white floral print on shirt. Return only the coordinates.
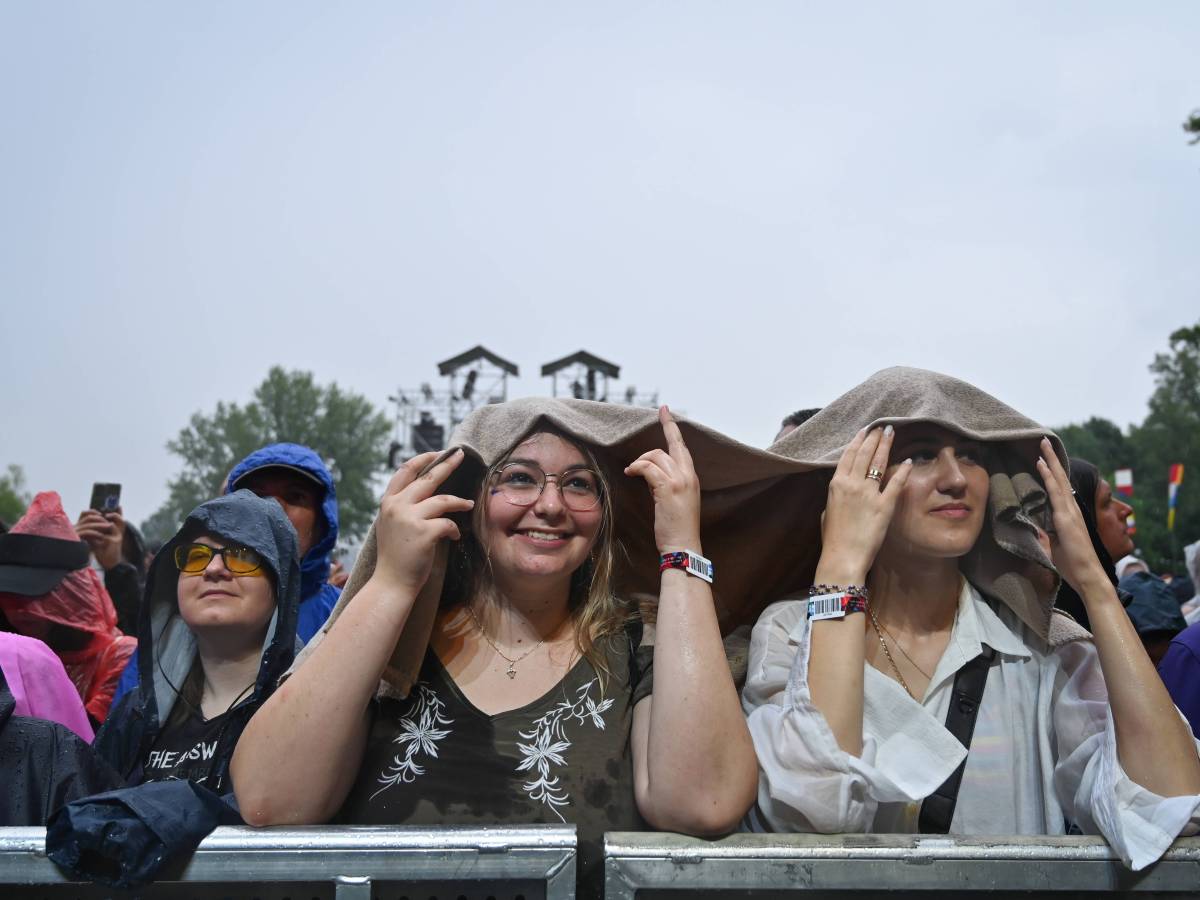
(548, 745)
(419, 733)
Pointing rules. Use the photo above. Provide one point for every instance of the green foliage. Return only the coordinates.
(1098, 441)
(1192, 127)
(1169, 434)
(343, 427)
(13, 497)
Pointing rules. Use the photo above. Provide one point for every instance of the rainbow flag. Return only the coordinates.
(1174, 480)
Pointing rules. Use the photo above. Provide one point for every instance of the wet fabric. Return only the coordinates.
(747, 512)
(185, 750)
(78, 603)
(1152, 607)
(435, 759)
(123, 838)
(1007, 563)
(167, 649)
(317, 595)
(45, 765)
(40, 686)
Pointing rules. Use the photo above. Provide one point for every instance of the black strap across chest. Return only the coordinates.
(938, 808)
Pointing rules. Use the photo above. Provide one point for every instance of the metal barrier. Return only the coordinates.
(758, 865)
(353, 863)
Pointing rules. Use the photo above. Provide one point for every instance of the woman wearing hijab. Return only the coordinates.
(218, 626)
(929, 631)
(1105, 517)
(531, 702)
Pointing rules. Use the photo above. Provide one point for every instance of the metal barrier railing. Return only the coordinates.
(527, 862)
(744, 865)
(352, 863)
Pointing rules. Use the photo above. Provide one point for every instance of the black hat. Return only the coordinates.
(33, 565)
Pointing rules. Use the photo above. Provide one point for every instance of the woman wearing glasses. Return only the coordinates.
(532, 702)
(217, 630)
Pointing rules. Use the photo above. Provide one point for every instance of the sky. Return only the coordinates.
(748, 207)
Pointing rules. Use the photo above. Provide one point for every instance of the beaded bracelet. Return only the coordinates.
(852, 589)
(835, 606)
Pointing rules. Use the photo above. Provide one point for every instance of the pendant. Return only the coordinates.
(511, 673)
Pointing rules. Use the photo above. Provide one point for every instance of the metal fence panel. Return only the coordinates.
(756, 865)
(352, 863)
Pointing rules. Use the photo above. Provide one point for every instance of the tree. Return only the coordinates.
(1170, 434)
(1100, 442)
(13, 496)
(1192, 127)
(343, 427)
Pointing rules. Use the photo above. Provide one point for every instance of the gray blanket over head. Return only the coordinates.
(1007, 563)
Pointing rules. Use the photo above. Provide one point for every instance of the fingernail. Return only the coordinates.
(887, 430)
(908, 462)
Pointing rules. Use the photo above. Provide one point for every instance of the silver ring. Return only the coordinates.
(874, 474)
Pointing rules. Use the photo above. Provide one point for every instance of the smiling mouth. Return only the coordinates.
(543, 537)
(216, 594)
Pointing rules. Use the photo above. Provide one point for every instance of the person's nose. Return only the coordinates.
(951, 478)
(216, 568)
(549, 502)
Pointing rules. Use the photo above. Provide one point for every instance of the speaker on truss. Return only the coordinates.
(427, 435)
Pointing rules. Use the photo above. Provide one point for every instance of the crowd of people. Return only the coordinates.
(914, 612)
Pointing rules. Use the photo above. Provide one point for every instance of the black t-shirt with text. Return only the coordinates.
(185, 751)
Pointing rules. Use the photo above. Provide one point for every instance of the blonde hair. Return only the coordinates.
(596, 612)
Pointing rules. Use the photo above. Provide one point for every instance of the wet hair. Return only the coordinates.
(596, 612)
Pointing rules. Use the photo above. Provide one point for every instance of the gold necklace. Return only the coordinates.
(900, 647)
(511, 671)
(888, 653)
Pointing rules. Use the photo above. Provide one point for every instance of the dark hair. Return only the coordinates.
(799, 417)
(1085, 481)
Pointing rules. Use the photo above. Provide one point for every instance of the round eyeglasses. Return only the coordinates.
(192, 559)
(521, 483)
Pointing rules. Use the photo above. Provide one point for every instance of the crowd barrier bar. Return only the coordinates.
(352, 859)
(870, 864)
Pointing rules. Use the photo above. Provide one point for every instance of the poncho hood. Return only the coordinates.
(76, 601)
(737, 494)
(167, 648)
(1007, 563)
(314, 568)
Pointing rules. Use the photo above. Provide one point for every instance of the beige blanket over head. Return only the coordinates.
(1007, 563)
(761, 510)
(749, 502)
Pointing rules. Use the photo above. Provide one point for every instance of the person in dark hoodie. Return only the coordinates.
(45, 763)
(300, 482)
(217, 629)
(296, 478)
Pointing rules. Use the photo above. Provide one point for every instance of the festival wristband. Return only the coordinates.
(834, 606)
(688, 561)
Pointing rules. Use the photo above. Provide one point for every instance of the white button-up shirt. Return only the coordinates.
(1043, 756)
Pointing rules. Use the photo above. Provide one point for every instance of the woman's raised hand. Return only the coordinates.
(674, 487)
(1070, 544)
(858, 511)
(412, 520)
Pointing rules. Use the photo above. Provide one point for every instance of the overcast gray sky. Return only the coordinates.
(748, 206)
